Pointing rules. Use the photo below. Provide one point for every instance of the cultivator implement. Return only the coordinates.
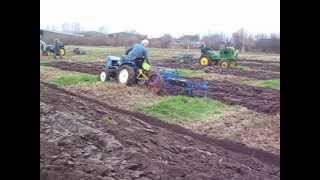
(169, 82)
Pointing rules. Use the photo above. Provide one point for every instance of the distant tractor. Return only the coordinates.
(225, 57)
(49, 49)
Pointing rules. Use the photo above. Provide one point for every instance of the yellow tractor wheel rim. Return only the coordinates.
(224, 64)
(61, 52)
(204, 61)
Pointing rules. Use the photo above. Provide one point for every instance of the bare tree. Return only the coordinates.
(188, 40)
(239, 39)
(165, 41)
(215, 41)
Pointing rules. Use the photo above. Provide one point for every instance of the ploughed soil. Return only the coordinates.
(260, 66)
(82, 138)
(259, 99)
(194, 65)
(257, 61)
(84, 67)
(261, 71)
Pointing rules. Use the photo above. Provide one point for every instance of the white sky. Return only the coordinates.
(156, 17)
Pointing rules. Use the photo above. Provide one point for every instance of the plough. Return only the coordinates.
(169, 82)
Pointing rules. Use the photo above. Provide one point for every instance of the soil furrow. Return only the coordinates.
(262, 100)
(259, 154)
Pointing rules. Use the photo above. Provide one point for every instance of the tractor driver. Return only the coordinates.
(57, 45)
(139, 51)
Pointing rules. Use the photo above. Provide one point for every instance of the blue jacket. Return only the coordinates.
(137, 51)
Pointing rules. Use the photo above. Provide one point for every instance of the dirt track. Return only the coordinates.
(258, 99)
(76, 143)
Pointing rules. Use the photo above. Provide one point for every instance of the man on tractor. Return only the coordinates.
(57, 45)
(133, 67)
(139, 52)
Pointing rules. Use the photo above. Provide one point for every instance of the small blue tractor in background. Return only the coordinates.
(138, 72)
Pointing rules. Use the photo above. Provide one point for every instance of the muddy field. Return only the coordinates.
(82, 138)
(258, 61)
(260, 66)
(258, 99)
(257, 74)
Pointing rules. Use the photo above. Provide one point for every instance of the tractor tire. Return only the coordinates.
(224, 64)
(204, 61)
(104, 76)
(126, 75)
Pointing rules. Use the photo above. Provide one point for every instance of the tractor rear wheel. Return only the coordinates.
(126, 75)
(224, 64)
(204, 61)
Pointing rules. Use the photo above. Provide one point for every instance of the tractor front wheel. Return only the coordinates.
(224, 64)
(126, 75)
(104, 76)
(204, 61)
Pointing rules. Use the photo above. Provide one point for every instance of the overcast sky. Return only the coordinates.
(156, 17)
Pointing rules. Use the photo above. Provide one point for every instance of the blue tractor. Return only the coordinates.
(138, 72)
(125, 71)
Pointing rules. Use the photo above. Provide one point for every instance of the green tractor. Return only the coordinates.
(225, 57)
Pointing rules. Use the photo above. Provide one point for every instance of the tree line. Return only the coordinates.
(240, 39)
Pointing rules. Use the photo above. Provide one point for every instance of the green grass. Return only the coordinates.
(73, 79)
(182, 108)
(272, 83)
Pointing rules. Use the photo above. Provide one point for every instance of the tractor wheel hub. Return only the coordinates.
(204, 61)
(103, 76)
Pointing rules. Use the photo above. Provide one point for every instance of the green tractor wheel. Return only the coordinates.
(224, 64)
